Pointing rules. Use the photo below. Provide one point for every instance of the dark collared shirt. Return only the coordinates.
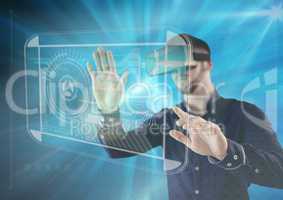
(254, 154)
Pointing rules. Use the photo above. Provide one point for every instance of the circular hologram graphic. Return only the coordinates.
(67, 86)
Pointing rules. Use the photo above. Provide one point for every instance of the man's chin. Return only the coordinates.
(189, 90)
(186, 91)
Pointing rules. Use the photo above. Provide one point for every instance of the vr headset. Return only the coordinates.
(177, 54)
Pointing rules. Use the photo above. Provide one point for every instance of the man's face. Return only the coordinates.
(192, 80)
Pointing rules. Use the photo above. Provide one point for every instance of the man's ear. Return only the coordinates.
(207, 65)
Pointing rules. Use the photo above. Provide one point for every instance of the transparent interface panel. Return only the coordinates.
(68, 116)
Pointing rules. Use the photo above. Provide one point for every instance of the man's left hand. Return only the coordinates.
(203, 137)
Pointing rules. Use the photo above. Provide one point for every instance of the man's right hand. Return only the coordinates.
(108, 87)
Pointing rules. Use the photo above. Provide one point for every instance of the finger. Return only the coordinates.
(185, 119)
(111, 61)
(180, 122)
(89, 68)
(97, 60)
(124, 77)
(180, 137)
(91, 71)
(103, 59)
(180, 113)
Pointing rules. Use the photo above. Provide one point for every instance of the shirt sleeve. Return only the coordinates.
(121, 144)
(259, 157)
(236, 157)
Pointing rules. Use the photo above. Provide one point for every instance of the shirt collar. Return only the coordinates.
(211, 104)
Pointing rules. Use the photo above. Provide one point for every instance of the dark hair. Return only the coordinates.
(200, 49)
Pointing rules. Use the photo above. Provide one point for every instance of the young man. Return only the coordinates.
(227, 151)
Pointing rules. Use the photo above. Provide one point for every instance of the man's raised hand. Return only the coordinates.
(203, 137)
(108, 87)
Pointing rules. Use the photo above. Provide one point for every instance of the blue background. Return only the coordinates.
(245, 39)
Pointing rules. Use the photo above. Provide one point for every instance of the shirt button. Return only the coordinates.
(236, 157)
(196, 191)
(197, 168)
(229, 164)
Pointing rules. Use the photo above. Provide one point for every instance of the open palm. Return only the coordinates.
(108, 87)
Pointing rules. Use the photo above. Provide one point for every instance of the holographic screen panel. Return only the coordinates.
(61, 108)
